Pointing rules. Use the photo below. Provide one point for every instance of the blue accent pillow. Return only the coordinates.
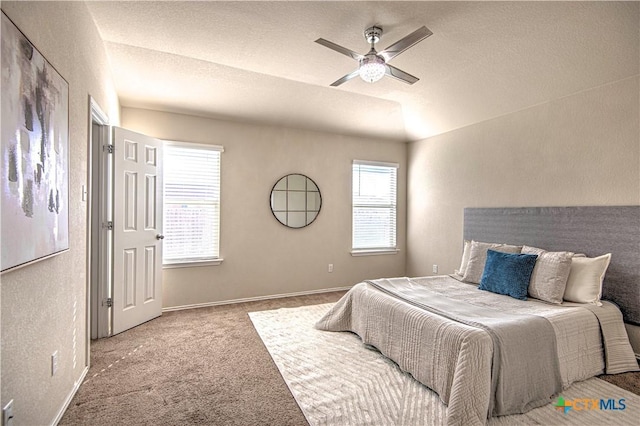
(508, 273)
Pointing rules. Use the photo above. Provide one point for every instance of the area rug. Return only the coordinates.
(337, 380)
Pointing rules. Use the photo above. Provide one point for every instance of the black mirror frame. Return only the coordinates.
(273, 188)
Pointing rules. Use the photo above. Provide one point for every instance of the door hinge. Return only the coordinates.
(109, 148)
(108, 302)
(109, 225)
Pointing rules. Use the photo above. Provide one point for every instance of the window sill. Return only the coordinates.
(373, 252)
(194, 264)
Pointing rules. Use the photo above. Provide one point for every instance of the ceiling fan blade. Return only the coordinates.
(398, 74)
(403, 44)
(346, 78)
(340, 49)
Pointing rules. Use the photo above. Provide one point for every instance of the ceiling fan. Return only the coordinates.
(374, 65)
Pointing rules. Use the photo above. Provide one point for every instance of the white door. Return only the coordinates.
(137, 229)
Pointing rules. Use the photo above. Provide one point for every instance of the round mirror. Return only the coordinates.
(295, 200)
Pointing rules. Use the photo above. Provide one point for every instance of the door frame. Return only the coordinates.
(98, 259)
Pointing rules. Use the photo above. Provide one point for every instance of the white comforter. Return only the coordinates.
(455, 359)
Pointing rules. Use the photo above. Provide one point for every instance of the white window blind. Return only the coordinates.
(374, 205)
(191, 202)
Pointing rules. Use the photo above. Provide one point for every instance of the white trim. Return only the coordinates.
(364, 248)
(97, 113)
(96, 314)
(192, 264)
(209, 255)
(194, 145)
(373, 252)
(69, 398)
(375, 163)
(253, 299)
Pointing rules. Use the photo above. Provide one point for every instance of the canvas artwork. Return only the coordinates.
(35, 153)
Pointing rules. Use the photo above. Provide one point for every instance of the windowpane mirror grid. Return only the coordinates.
(296, 219)
(311, 216)
(374, 206)
(295, 201)
(297, 183)
(191, 203)
(279, 200)
(313, 202)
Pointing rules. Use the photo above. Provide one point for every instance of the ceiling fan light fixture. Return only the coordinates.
(372, 68)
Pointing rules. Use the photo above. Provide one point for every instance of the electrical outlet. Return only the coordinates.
(54, 363)
(330, 268)
(7, 414)
(435, 269)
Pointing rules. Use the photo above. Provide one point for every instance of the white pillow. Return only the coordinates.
(478, 257)
(585, 279)
(465, 258)
(549, 277)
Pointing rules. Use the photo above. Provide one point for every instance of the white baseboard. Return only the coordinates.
(67, 401)
(252, 299)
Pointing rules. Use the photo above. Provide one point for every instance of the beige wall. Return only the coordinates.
(583, 149)
(261, 256)
(44, 304)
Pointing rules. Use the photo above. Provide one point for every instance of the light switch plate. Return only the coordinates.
(54, 363)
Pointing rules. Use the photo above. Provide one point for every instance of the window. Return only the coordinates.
(374, 207)
(191, 204)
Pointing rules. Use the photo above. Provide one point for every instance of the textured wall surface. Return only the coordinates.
(261, 256)
(579, 150)
(44, 304)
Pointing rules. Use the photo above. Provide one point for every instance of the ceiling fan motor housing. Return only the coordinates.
(373, 34)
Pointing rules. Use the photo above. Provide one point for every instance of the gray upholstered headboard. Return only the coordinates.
(589, 230)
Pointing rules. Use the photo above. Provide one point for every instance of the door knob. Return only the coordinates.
(159, 237)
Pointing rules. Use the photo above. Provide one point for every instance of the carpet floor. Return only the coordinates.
(200, 366)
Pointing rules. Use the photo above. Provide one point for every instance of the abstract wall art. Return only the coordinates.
(34, 221)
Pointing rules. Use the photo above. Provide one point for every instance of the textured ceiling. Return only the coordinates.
(257, 61)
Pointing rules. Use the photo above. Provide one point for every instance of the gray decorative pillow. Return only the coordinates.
(478, 257)
(465, 258)
(585, 279)
(549, 277)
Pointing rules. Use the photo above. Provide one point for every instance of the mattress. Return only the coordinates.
(455, 359)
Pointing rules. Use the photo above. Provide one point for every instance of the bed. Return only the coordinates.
(489, 354)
